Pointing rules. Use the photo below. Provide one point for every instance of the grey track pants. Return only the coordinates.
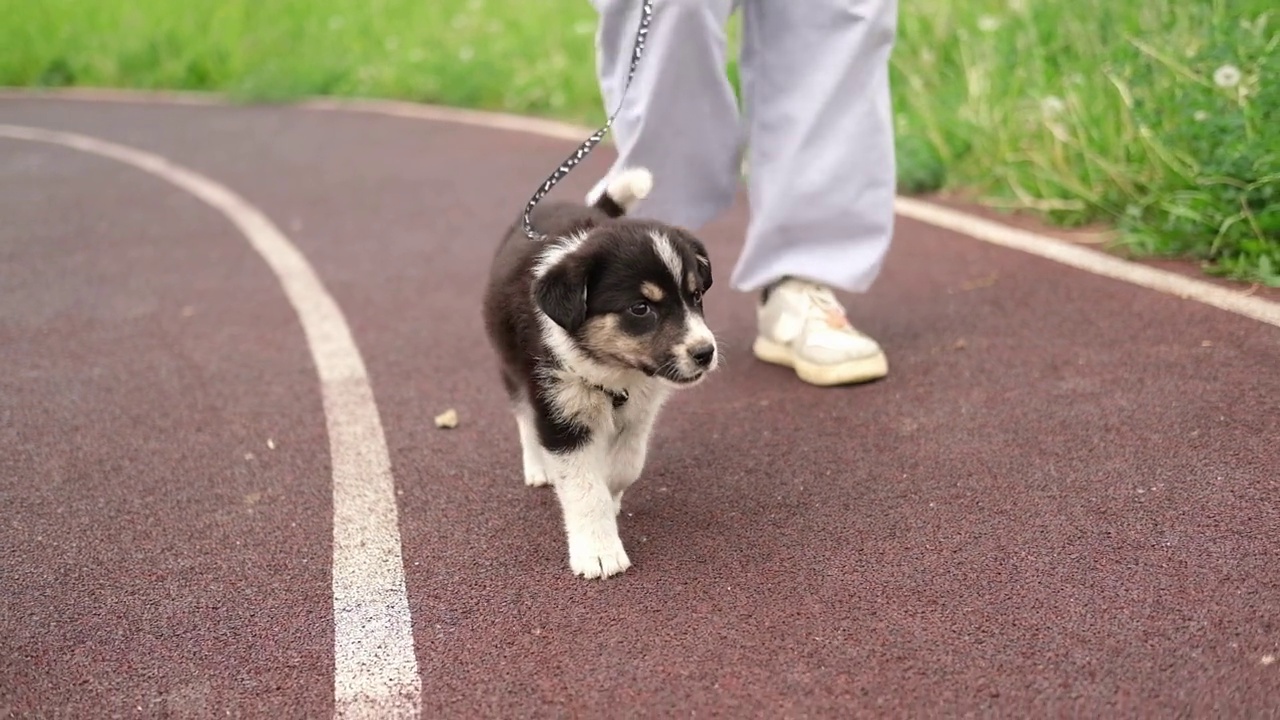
(815, 125)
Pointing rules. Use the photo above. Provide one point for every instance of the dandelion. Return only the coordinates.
(988, 23)
(583, 27)
(1052, 106)
(1200, 116)
(1227, 76)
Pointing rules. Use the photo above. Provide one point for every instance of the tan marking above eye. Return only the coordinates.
(693, 282)
(651, 292)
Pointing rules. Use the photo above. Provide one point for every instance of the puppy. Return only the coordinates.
(593, 328)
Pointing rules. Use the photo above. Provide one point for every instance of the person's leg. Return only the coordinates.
(680, 117)
(821, 177)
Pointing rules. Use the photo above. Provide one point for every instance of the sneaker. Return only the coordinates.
(802, 326)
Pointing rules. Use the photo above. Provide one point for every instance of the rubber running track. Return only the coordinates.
(1062, 502)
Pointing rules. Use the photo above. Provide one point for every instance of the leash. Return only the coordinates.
(646, 13)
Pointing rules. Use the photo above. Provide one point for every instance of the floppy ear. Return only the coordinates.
(562, 293)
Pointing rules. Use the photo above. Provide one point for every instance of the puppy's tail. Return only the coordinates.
(623, 191)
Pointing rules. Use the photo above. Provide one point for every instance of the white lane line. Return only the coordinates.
(1090, 260)
(1080, 258)
(375, 668)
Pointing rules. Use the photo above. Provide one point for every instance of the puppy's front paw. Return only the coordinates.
(535, 472)
(596, 559)
(536, 477)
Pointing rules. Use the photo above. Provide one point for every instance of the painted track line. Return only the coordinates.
(1075, 256)
(1089, 260)
(962, 223)
(375, 668)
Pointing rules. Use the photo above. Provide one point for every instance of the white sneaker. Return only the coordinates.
(802, 326)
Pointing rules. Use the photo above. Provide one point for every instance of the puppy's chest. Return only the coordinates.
(606, 412)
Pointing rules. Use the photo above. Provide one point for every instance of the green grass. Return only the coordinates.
(1105, 110)
(1080, 110)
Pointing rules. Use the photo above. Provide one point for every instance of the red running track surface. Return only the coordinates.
(1062, 502)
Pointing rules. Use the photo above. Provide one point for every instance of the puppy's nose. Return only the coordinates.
(703, 354)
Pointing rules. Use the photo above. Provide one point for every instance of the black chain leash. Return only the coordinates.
(646, 13)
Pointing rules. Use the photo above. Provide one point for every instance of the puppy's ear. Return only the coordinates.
(562, 293)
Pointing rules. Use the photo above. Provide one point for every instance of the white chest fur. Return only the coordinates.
(577, 400)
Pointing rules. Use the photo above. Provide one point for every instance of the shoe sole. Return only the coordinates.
(846, 373)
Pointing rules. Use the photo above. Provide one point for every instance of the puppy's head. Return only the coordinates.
(627, 295)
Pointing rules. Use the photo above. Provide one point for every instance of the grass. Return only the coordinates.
(1150, 116)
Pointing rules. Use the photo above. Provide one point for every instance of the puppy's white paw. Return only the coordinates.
(617, 503)
(593, 559)
(536, 477)
(535, 471)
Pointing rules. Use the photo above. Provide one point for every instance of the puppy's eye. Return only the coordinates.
(640, 309)
(697, 297)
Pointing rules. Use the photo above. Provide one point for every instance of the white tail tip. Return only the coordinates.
(630, 185)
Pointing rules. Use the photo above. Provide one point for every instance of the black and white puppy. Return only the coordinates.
(594, 327)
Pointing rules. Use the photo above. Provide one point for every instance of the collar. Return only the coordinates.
(619, 397)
